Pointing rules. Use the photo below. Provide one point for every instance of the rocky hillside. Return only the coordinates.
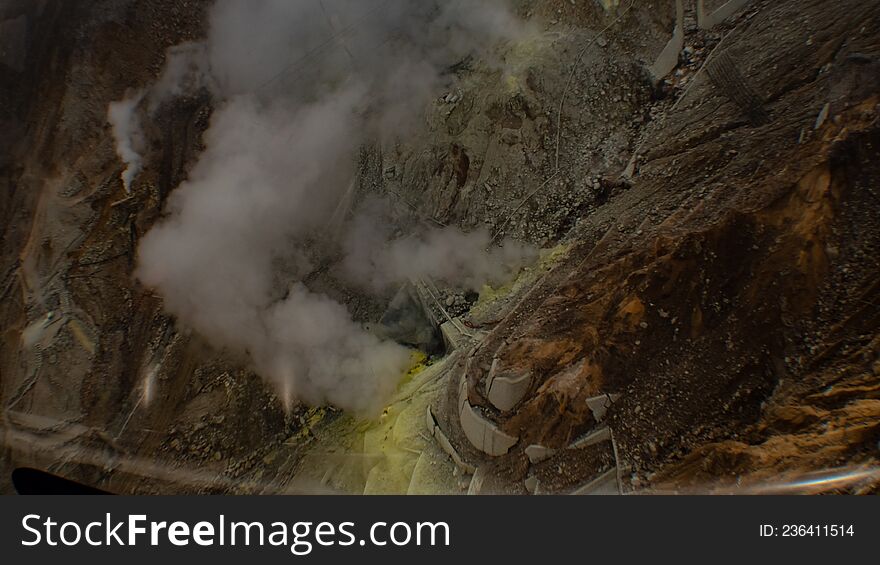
(704, 314)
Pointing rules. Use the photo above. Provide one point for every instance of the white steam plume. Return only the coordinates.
(301, 86)
(185, 72)
(375, 259)
(127, 131)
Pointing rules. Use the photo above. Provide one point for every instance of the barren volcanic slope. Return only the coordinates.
(684, 195)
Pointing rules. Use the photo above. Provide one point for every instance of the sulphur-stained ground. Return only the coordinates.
(709, 264)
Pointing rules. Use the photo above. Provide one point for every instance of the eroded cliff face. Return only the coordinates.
(726, 301)
(711, 259)
(80, 336)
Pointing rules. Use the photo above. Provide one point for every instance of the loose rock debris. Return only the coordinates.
(704, 317)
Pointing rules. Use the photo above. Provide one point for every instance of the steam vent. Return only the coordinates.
(499, 247)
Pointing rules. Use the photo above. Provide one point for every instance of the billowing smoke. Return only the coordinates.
(300, 87)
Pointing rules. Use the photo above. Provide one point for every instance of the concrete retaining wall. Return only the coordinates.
(483, 434)
(537, 453)
(452, 336)
(445, 444)
(599, 405)
(600, 435)
(505, 392)
(606, 483)
(668, 58)
(708, 20)
(476, 485)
